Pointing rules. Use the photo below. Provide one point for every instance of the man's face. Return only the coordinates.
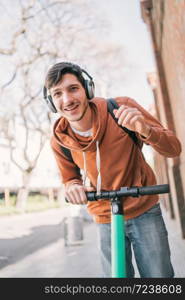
(69, 98)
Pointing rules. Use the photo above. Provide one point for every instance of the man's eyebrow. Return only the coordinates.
(59, 89)
(73, 84)
(56, 90)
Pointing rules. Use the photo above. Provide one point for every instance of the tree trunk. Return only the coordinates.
(23, 192)
(50, 195)
(7, 196)
(22, 197)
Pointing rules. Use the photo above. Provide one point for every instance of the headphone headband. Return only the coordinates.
(87, 74)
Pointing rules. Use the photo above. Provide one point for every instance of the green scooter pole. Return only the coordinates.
(118, 250)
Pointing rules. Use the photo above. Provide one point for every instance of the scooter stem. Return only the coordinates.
(118, 249)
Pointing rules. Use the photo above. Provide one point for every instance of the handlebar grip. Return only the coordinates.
(154, 189)
(91, 196)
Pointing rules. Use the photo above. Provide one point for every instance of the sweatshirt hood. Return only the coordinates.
(65, 136)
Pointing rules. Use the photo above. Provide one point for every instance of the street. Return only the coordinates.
(33, 245)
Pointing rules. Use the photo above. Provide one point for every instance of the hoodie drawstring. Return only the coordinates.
(98, 184)
(85, 168)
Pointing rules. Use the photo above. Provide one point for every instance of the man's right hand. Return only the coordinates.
(75, 193)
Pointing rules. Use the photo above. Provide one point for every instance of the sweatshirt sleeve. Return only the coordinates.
(161, 139)
(68, 169)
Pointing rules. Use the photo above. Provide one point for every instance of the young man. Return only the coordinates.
(110, 159)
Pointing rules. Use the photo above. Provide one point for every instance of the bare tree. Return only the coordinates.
(43, 33)
(40, 34)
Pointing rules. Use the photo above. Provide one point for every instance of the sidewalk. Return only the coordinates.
(177, 246)
(82, 260)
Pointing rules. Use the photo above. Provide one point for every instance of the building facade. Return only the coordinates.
(165, 20)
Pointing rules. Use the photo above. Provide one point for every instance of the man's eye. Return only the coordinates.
(57, 94)
(74, 88)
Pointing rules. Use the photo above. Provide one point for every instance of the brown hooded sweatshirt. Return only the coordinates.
(111, 155)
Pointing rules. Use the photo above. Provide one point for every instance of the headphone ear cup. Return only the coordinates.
(50, 104)
(49, 100)
(89, 88)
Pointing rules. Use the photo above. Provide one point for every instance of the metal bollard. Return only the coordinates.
(73, 231)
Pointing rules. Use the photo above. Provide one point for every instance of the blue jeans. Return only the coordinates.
(148, 237)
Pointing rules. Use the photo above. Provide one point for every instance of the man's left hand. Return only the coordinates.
(132, 119)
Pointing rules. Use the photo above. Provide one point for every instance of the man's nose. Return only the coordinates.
(66, 98)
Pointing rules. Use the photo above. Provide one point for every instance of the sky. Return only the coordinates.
(128, 30)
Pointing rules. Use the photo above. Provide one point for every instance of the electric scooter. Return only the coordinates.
(118, 253)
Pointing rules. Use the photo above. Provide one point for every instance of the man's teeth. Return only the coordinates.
(68, 109)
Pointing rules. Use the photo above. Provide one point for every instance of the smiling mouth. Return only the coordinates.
(71, 108)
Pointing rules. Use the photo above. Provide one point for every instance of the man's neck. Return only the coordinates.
(85, 123)
(83, 133)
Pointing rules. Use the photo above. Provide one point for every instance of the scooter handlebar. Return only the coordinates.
(132, 192)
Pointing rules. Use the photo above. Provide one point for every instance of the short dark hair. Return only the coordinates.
(56, 72)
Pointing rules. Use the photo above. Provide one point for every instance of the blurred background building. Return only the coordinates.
(165, 21)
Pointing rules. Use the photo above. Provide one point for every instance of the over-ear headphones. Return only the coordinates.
(88, 86)
(49, 100)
